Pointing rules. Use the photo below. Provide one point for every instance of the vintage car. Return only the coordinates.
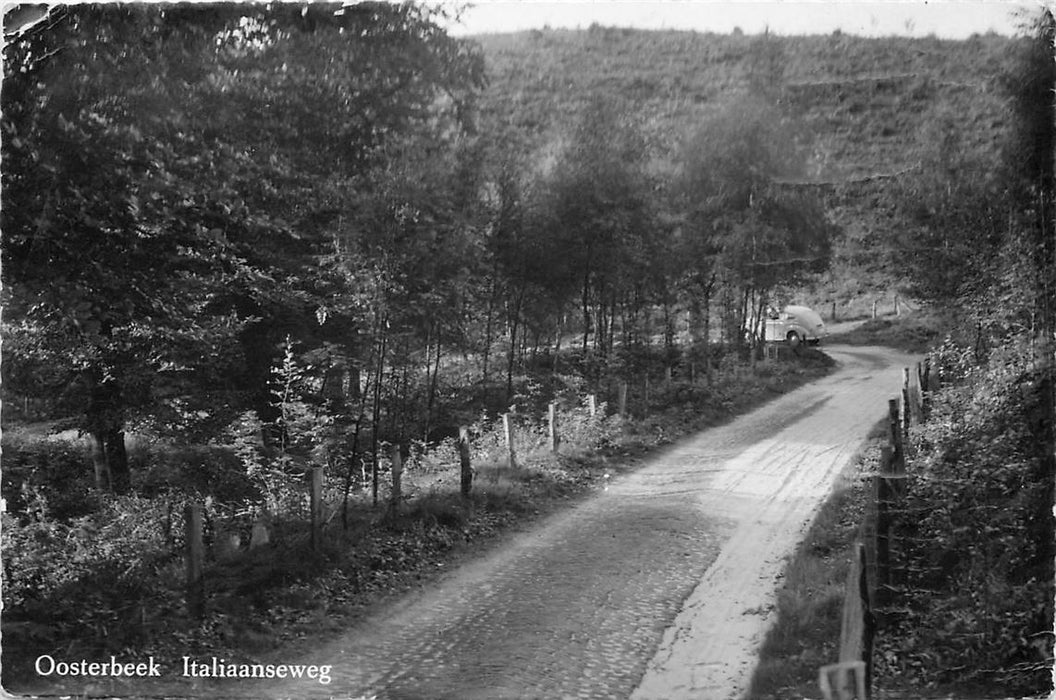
(794, 325)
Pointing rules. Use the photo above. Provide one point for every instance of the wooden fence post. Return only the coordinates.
(194, 558)
(844, 681)
(623, 398)
(507, 428)
(555, 438)
(857, 626)
(397, 480)
(894, 422)
(647, 393)
(833, 311)
(884, 497)
(906, 399)
(463, 457)
(874, 308)
(898, 309)
(592, 404)
(316, 503)
(925, 388)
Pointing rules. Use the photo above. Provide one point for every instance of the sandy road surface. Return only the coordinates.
(661, 587)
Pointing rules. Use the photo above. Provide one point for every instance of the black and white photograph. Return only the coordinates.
(518, 350)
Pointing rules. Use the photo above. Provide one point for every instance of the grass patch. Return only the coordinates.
(912, 333)
(810, 602)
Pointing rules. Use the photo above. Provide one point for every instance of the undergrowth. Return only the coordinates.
(912, 333)
(976, 536)
(111, 580)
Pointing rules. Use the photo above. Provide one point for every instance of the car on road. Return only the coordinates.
(794, 325)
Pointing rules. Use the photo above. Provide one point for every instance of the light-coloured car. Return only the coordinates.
(795, 325)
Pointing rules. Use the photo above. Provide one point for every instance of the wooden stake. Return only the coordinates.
(555, 439)
(884, 499)
(507, 427)
(592, 404)
(906, 412)
(894, 428)
(397, 480)
(463, 456)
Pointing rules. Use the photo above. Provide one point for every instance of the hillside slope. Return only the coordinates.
(868, 107)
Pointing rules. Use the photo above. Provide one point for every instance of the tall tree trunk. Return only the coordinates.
(353, 452)
(514, 324)
(105, 422)
(433, 382)
(487, 335)
(586, 304)
(706, 312)
(669, 327)
(99, 462)
(557, 344)
(117, 459)
(612, 323)
(375, 418)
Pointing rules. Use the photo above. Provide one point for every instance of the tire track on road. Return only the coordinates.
(658, 588)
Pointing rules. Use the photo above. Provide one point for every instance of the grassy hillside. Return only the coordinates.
(868, 107)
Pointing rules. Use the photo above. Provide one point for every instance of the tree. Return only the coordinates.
(175, 175)
(740, 223)
(1030, 169)
(952, 210)
(599, 200)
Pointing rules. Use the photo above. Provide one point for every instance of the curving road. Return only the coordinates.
(660, 587)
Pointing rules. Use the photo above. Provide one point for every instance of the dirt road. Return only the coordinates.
(661, 587)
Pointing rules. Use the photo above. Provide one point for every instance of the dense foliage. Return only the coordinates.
(183, 209)
(977, 541)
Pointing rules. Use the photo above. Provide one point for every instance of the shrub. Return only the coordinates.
(980, 545)
(89, 579)
(54, 474)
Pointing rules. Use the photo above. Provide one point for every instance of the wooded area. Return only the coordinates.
(278, 238)
(232, 221)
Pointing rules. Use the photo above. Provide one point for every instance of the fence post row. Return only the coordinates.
(865, 606)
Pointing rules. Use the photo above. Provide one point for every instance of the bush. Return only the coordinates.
(52, 474)
(203, 469)
(980, 540)
(89, 579)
